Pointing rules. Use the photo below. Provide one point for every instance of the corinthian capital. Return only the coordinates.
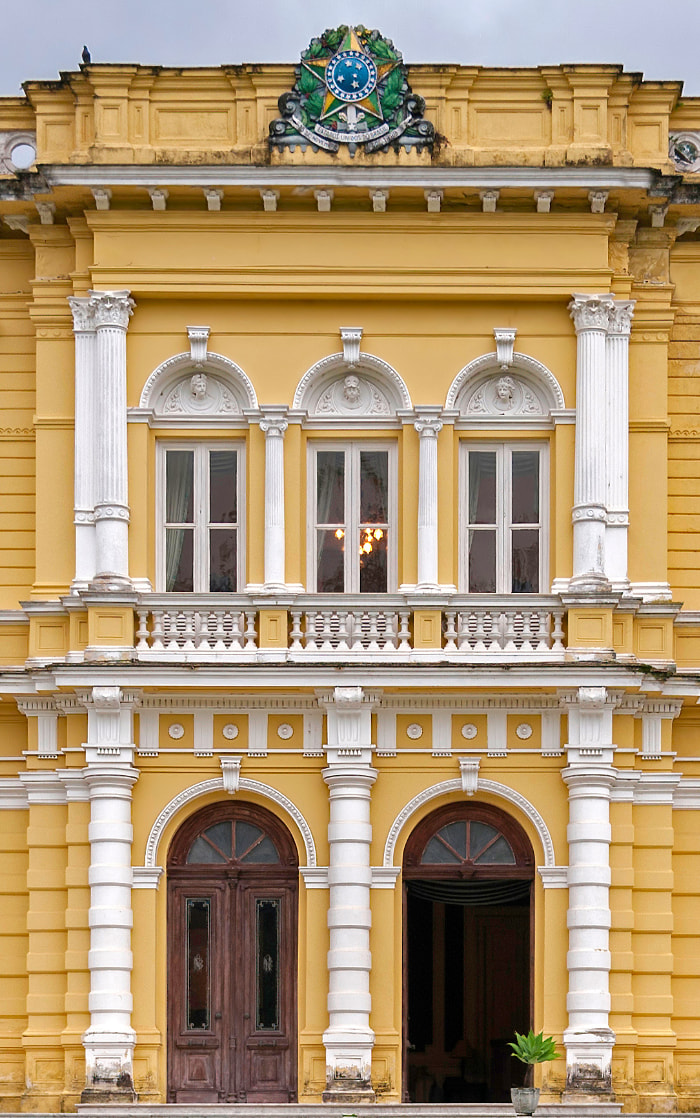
(112, 308)
(620, 321)
(83, 309)
(591, 312)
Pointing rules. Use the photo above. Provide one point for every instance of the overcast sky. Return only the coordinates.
(46, 36)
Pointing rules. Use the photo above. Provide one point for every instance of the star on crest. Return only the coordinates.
(332, 105)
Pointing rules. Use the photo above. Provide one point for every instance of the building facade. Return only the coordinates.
(349, 590)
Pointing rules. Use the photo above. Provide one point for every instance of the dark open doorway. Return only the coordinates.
(467, 955)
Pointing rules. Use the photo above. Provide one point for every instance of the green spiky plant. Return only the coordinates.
(533, 1048)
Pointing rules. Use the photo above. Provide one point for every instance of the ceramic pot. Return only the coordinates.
(525, 1099)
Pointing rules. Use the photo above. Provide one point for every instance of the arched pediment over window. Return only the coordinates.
(211, 390)
(524, 390)
(368, 392)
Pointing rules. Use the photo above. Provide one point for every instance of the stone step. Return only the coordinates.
(339, 1110)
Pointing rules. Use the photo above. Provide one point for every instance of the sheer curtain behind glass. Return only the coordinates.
(179, 520)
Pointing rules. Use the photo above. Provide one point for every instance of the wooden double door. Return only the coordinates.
(232, 959)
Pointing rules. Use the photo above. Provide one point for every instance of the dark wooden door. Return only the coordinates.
(232, 963)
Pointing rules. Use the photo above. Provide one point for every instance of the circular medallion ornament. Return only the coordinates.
(230, 731)
(351, 75)
(414, 731)
(285, 731)
(524, 731)
(176, 730)
(469, 731)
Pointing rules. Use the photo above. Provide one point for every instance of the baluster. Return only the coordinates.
(157, 634)
(236, 631)
(207, 623)
(189, 633)
(450, 631)
(327, 635)
(373, 645)
(172, 621)
(558, 633)
(463, 644)
(219, 631)
(310, 641)
(404, 631)
(343, 631)
(542, 631)
(528, 643)
(355, 621)
(510, 634)
(250, 645)
(390, 630)
(480, 631)
(142, 631)
(296, 633)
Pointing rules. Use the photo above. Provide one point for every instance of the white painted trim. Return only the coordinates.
(146, 877)
(204, 788)
(686, 795)
(489, 786)
(383, 877)
(172, 369)
(554, 877)
(380, 371)
(329, 175)
(488, 364)
(13, 794)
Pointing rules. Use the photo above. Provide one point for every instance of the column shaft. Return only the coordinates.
(112, 311)
(85, 440)
(274, 426)
(617, 442)
(590, 314)
(428, 427)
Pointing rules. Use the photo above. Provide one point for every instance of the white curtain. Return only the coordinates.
(178, 499)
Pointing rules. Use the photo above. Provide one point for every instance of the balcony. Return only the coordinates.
(350, 628)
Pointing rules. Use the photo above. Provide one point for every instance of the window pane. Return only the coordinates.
(267, 952)
(220, 836)
(499, 853)
(482, 562)
(479, 835)
(436, 853)
(482, 487)
(456, 835)
(374, 487)
(179, 487)
(526, 487)
(222, 560)
(526, 561)
(330, 561)
(373, 560)
(264, 851)
(198, 1008)
(223, 466)
(202, 852)
(330, 487)
(246, 835)
(179, 544)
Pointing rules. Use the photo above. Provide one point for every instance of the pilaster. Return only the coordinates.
(349, 775)
(274, 424)
(83, 309)
(77, 928)
(112, 310)
(590, 314)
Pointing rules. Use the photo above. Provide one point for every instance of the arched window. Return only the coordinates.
(467, 842)
(234, 840)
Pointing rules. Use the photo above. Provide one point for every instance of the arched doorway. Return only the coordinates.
(232, 958)
(468, 872)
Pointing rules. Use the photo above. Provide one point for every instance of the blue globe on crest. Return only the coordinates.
(351, 75)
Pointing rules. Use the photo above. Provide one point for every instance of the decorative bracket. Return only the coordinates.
(505, 341)
(469, 769)
(231, 773)
(351, 337)
(198, 336)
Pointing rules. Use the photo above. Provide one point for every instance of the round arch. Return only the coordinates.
(205, 788)
(234, 393)
(490, 787)
(534, 389)
(376, 391)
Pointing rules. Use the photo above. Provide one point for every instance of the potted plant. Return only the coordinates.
(530, 1048)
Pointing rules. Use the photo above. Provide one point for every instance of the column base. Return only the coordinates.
(591, 582)
(96, 1096)
(348, 1067)
(589, 1065)
(109, 1067)
(107, 581)
(346, 1093)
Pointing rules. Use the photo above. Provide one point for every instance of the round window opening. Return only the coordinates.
(22, 156)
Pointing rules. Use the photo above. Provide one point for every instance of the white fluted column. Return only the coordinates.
(589, 776)
(83, 309)
(428, 425)
(349, 775)
(112, 312)
(110, 1039)
(617, 441)
(274, 424)
(590, 314)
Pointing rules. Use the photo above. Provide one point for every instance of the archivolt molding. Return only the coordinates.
(380, 391)
(216, 784)
(501, 791)
(485, 368)
(228, 378)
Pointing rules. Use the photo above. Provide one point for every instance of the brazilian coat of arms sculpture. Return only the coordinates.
(351, 90)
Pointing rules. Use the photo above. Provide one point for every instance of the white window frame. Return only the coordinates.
(352, 449)
(503, 449)
(201, 451)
